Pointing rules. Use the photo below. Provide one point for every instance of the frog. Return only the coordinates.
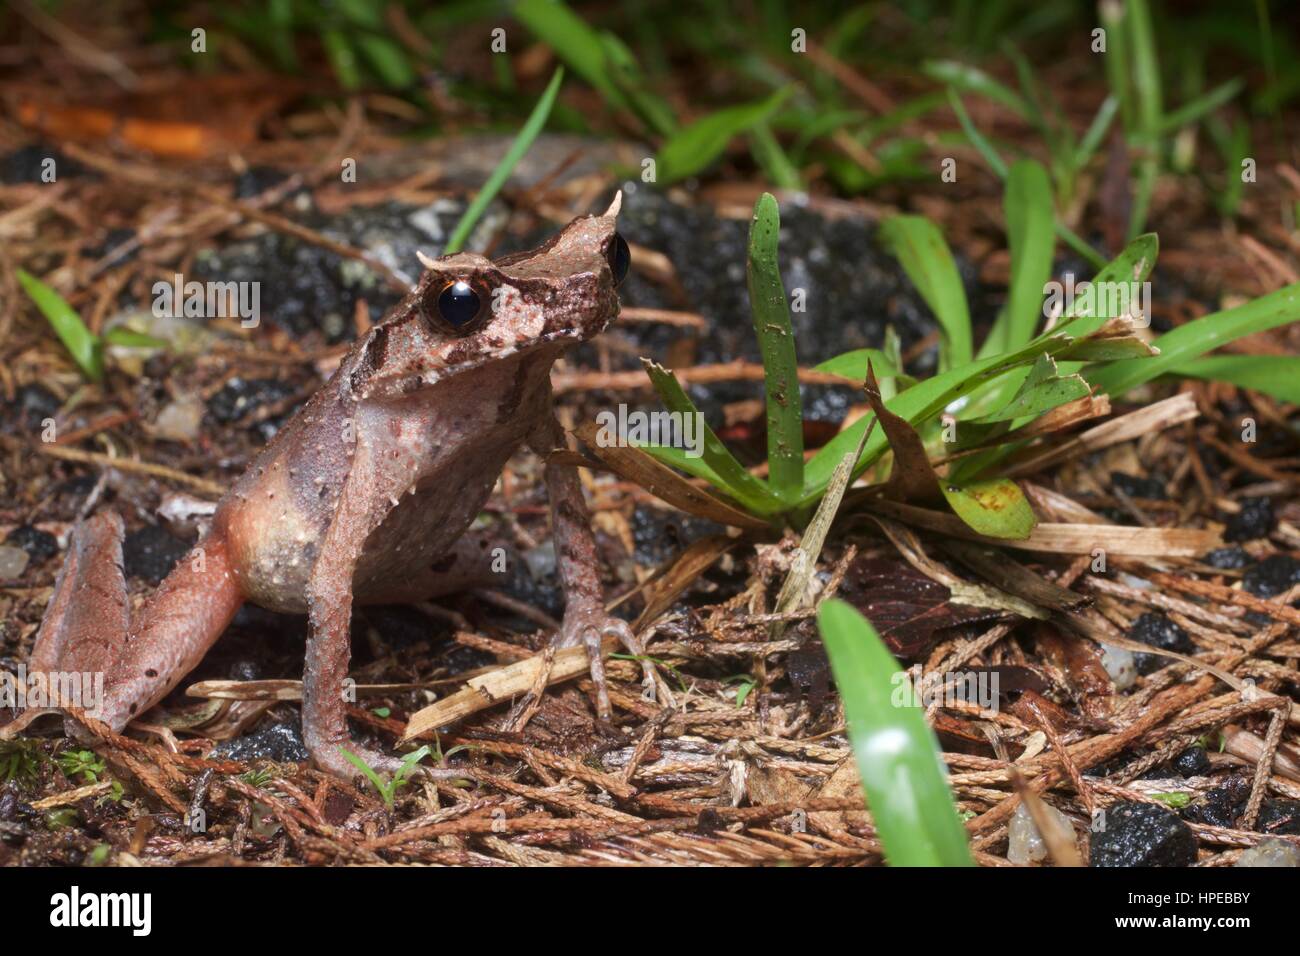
(368, 493)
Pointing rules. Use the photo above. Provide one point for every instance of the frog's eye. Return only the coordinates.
(619, 257)
(462, 304)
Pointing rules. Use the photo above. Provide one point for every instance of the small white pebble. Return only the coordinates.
(13, 562)
(1271, 852)
(1024, 842)
(1119, 665)
(179, 421)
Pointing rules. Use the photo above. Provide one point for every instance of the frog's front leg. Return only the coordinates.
(365, 500)
(586, 621)
(88, 626)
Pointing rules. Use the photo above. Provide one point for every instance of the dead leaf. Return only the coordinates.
(906, 607)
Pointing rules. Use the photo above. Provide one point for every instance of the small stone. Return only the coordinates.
(1226, 559)
(1221, 806)
(1158, 631)
(13, 562)
(1254, 520)
(1279, 817)
(39, 545)
(1271, 852)
(1150, 488)
(239, 397)
(279, 742)
(1024, 843)
(1141, 834)
(151, 553)
(1192, 762)
(1120, 664)
(180, 420)
(1272, 576)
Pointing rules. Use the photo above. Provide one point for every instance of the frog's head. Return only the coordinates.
(468, 311)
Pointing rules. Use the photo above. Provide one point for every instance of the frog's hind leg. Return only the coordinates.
(88, 628)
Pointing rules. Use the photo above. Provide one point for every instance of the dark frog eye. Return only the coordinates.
(462, 304)
(619, 257)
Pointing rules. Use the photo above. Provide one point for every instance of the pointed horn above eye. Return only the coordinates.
(615, 206)
(424, 260)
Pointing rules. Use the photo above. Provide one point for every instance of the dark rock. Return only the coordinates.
(1227, 559)
(1158, 631)
(31, 406)
(399, 626)
(660, 535)
(809, 670)
(240, 397)
(1272, 576)
(1221, 806)
(245, 670)
(1279, 816)
(39, 545)
(114, 245)
(1254, 520)
(1135, 487)
(1142, 834)
(1192, 762)
(279, 742)
(151, 553)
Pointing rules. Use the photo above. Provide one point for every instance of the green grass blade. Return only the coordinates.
(1096, 131)
(971, 79)
(384, 787)
(1276, 375)
(918, 404)
(854, 364)
(1146, 71)
(771, 315)
(1041, 391)
(1150, 111)
(920, 248)
(1031, 237)
(1191, 341)
(342, 58)
(976, 138)
(773, 159)
(1134, 264)
(734, 479)
(1114, 22)
(1208, 103)
(82, 344)
(584, 51)
(533, 126)
(695, 147)
(896, 752)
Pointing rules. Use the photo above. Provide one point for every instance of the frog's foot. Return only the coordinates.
(589, 625)
(131, 661)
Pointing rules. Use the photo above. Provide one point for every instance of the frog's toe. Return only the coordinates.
(589, 628)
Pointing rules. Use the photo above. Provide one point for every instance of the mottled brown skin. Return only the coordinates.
(365, 495)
